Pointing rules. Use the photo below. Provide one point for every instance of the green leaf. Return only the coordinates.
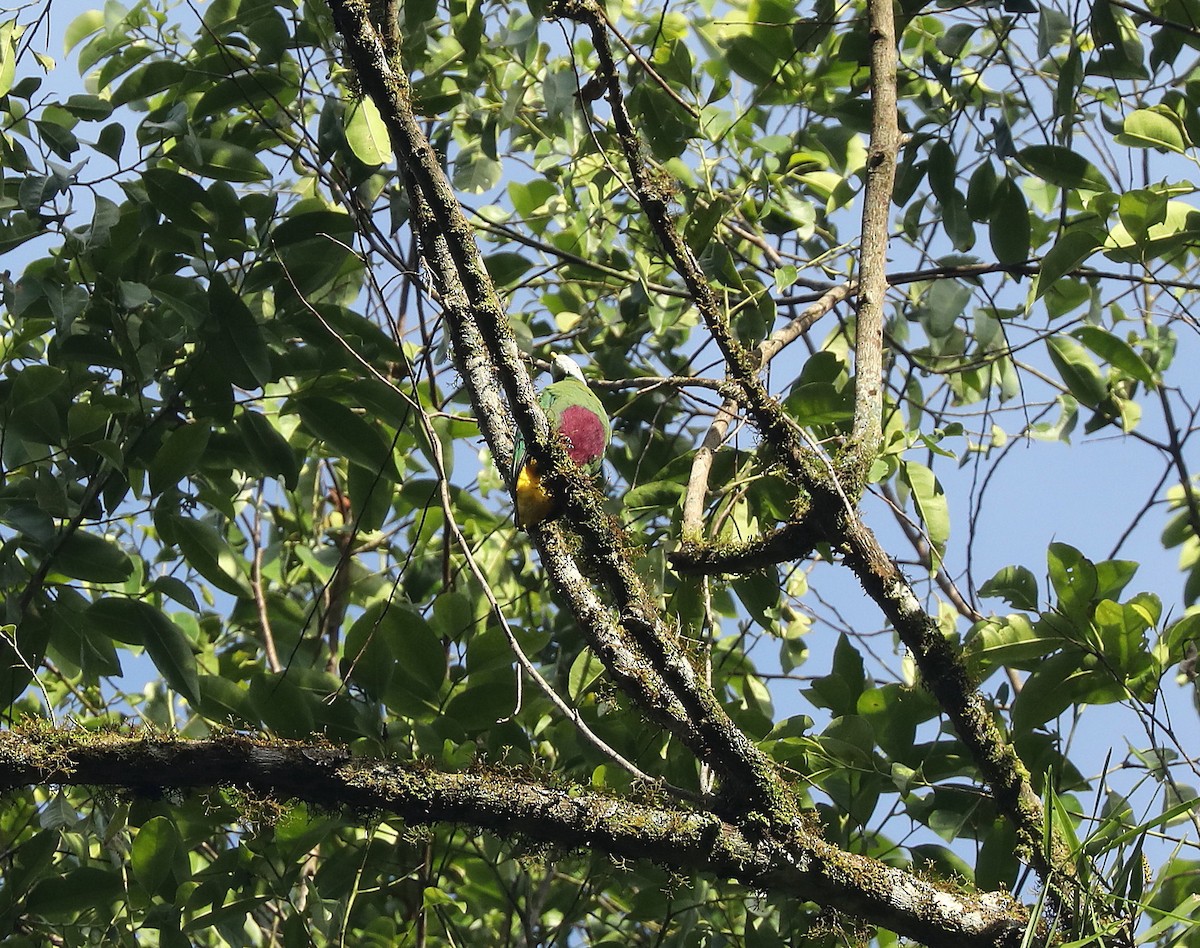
(453, 616)
(1011, 641)
(506, 268)
(1015, 585)
(957, 223)
(1008, 224)
(1178, 227)
(1074, 579)
(282, 705)
(152, 853)
(1112, 576)
(171, 651)
(208, 553)
(1079, 373)
(488, 698)
(1063, 167)
(222, 160)
(820, 403)
(245, 93)
(366, 133)
(421, 665)
(9, 36)
(270, 450)
(475, 172)
(86, 556)
(347, 433)
(759, 592)
(1067, 254)
(1141, 209)
(244, 352)
(134, 621)
(930, 501)
(301, 828)
(370, 497)
(1059, 683)
(1122, 630)
(147, 80)
(61, 897)
(179, 456)
(584, 670)
(980, 191)
(325, 225)
(225, 701)
(840, 690)
(368, 659)
(943, 306)
(176, 589)
(1116, 352)
(1154, 128)
(943, 171)
(82, 27)
(90, 108)
(111, 138)
(654, 495)
(180, 198)
(22, 649)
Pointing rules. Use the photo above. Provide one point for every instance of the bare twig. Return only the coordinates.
(256, 587)
(877, 200)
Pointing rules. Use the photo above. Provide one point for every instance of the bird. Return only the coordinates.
(574, 413)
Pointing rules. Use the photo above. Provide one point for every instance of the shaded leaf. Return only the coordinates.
(1063, 167)
(153, 852)
(86, 556)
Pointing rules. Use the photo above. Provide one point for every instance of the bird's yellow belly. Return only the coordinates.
(534, 503)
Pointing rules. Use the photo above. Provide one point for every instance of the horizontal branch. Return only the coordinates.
(508, 803)
(791, 542)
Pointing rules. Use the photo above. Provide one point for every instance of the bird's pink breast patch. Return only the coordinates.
(584, 432)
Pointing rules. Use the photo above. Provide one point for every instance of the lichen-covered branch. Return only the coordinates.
(834, 494)
(642, 652)
(785, 544)
(512, 803)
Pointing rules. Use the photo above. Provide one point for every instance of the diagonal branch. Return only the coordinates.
(718, 431)
(644, 654)
(940, 664)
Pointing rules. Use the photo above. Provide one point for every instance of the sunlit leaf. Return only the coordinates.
(366, 133)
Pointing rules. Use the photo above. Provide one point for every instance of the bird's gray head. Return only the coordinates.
(563, 366)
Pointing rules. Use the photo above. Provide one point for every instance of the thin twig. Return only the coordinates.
(256, 587)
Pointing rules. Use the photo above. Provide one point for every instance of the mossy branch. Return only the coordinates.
(512, 803)
(834, 488)
(643, 654)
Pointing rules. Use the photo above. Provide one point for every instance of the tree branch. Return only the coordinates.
(508, 803)
(644, 654)
(872, 261)
(940, 664)
(718, 431)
